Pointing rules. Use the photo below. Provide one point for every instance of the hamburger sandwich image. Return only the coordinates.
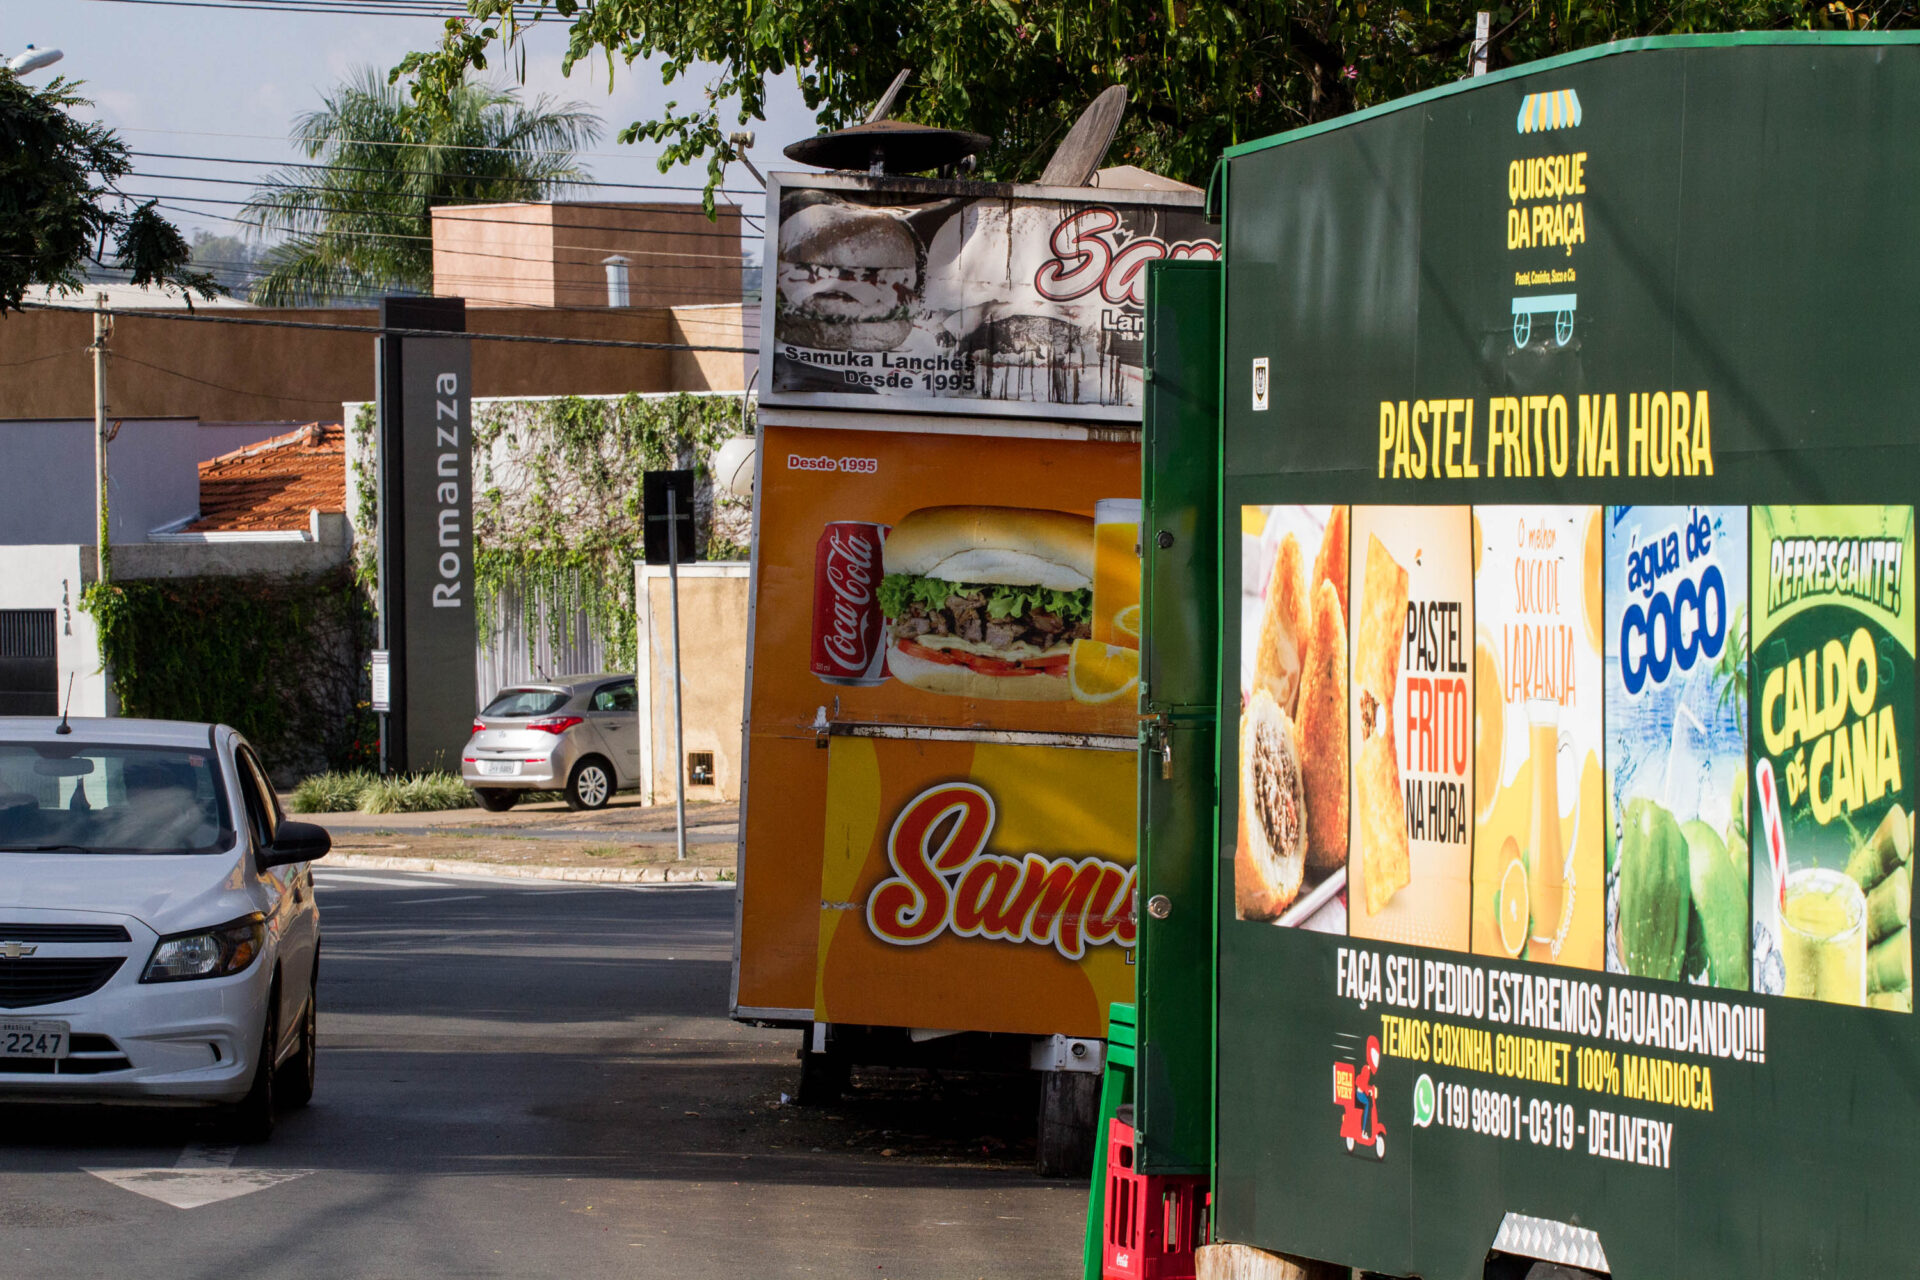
(986, 602)
(848, 279)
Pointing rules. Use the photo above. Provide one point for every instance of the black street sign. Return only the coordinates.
(653, 494)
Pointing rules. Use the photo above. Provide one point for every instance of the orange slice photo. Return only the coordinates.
(1101, 673)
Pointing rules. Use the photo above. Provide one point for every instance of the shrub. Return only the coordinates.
(330, 792)
(419, 793)
(363, 791)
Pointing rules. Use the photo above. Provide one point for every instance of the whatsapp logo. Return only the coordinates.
(1423, 1101)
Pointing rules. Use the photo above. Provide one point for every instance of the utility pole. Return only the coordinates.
(102, 326)
(679, 741)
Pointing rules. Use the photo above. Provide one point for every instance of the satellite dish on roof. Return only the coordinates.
(888, 146)
(1079, 154)
(880, 146)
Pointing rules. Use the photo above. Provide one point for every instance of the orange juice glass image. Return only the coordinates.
(1116, 571)
(1549, 858)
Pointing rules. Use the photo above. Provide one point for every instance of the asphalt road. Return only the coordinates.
(535, 1080)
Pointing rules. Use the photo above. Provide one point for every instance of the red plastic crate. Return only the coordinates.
(1153, 1223)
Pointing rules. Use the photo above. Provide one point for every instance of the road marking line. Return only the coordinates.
(204, 1156)
(343, 877)
(203, 1175)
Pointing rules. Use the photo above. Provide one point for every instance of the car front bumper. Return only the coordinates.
(193, 1042)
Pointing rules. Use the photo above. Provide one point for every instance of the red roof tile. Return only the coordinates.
(272, 485)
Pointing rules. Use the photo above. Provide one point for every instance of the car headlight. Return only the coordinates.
(218, 952)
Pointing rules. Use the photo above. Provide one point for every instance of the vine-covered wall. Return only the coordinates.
(280, 659)
(557, 516)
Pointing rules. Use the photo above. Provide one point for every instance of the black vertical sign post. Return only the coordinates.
(426, 619)
(667, 499)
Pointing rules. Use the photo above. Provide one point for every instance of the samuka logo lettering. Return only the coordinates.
(945, 881)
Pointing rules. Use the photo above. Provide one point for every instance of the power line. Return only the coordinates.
(51, 355)
(217, 386)
(371, 8)
(473, 289)
(473, 177)
(204, 317)
(447, 217)
(442, 146)
(409, 235)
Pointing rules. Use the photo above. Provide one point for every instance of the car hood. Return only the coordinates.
(169, 893)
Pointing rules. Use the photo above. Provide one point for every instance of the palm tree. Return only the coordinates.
(358, 221)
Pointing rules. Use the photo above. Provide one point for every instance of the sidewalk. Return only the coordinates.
(626, 842)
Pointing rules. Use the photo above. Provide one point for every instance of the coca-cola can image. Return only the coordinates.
(849, 631)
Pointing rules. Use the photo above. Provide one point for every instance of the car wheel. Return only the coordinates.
(295, 1085)
(253, 1115)
(590, 785)
(495, 800)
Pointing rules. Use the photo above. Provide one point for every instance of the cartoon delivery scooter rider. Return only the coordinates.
(1365, 1092)
(1358, 1097)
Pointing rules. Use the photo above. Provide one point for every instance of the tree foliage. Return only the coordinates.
(1200, 75)
(359, 222)
(59, 206)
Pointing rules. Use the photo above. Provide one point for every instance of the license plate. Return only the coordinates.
(499, 768)
(33, 1039)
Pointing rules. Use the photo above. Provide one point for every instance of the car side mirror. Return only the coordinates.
(296, 842)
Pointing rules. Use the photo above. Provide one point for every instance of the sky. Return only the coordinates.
(229, 82)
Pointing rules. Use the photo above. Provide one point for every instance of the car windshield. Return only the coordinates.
(526, 702)
(86, 798)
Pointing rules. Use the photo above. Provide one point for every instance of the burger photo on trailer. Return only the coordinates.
(848, 279)
(986, 602)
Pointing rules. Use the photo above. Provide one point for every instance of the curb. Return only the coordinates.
(587, 875)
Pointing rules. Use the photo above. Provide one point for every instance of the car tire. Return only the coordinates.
(294, 1087)
(496, 800)
(590, 785)
(252, 1117)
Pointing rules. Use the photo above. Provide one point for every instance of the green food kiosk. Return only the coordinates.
(1528, 676)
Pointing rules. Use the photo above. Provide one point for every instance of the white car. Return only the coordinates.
(159, 939)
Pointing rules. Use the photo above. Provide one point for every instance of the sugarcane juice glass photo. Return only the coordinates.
(1116, 571)
(1823, 936)
(1546, 851)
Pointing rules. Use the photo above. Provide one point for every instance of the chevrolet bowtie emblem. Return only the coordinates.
(14, 950)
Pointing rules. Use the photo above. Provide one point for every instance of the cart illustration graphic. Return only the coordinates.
(1525, 309)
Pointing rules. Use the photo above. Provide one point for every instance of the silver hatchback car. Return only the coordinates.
(578, 735)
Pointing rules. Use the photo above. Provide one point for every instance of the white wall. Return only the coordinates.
(53, 577)
(153, 475)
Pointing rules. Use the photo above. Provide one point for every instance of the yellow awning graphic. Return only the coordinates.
(1542, 111)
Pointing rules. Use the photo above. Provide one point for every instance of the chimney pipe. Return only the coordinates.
(616, 280)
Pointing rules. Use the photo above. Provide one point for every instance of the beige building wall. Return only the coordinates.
(494, 255)
(237, 373)
(159, 367)
(713, 645)
(554, 254)
(720, 325)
